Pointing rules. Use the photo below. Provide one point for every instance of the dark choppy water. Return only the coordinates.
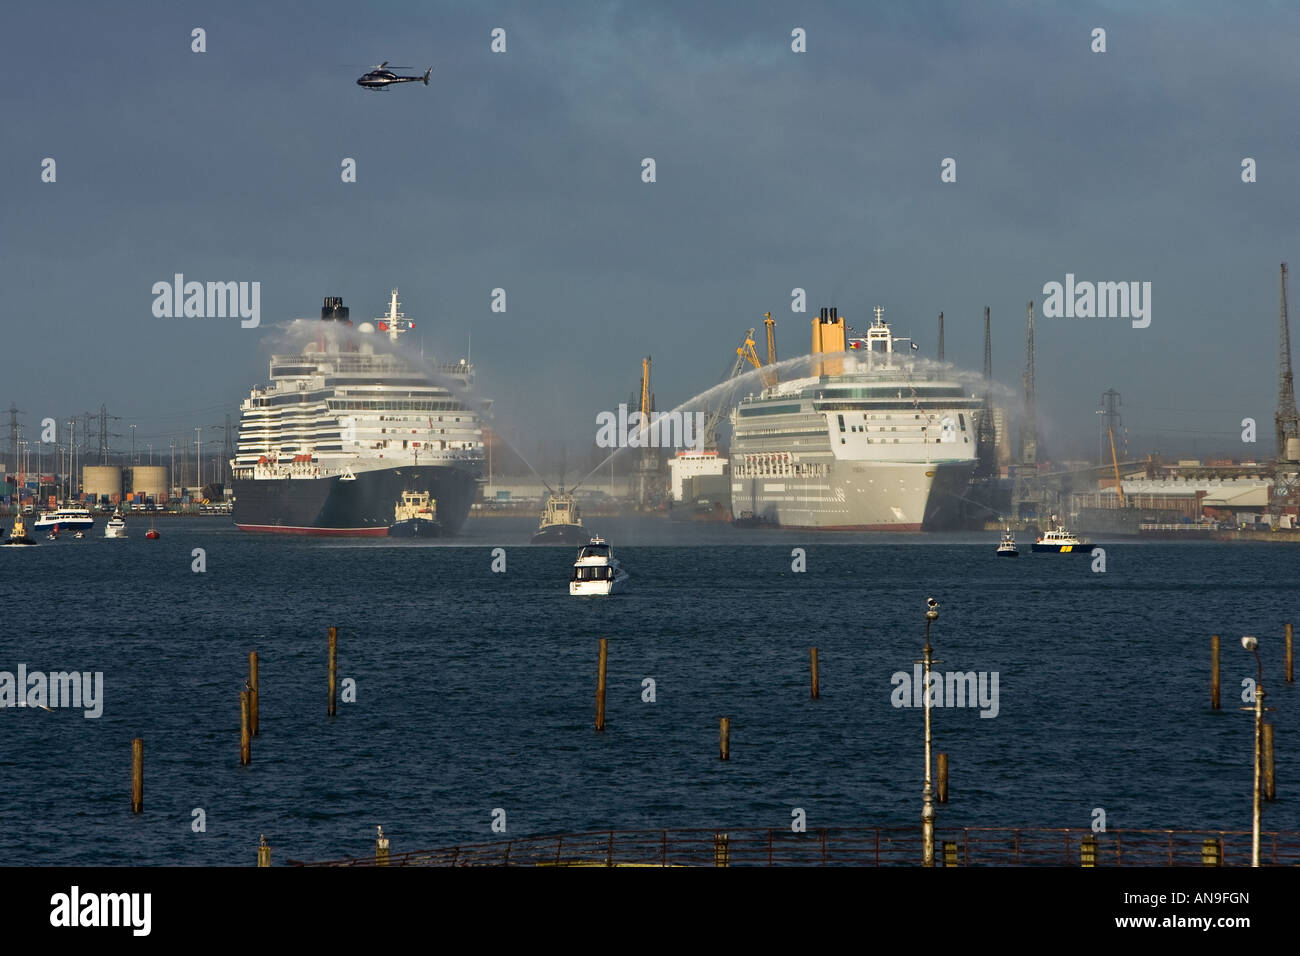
(476, 689)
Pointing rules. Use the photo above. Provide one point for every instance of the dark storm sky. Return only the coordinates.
(775, 170)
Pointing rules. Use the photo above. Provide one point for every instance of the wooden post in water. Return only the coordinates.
(137, 775)
(263, 852)
(600, 685)
(1290, 660)
(334, 656)
(381, 849)
(1214, 671)
(245, 754)
(816, 677)
(942, 761)
(1270, 782)
(724, 738)
(252, 686)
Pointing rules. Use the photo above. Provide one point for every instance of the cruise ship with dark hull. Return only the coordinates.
(360, 506)
(348, 425)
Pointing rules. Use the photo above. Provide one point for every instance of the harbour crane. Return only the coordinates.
(769, 377)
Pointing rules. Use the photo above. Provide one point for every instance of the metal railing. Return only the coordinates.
(859, 846)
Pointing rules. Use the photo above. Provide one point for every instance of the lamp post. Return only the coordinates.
(927, 801)
(1252, 644)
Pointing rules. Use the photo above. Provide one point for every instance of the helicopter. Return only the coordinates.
(380, 78)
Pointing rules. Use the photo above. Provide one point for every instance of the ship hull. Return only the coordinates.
(1084, 548)
(860, 496)
(562, 534)
(362, 506)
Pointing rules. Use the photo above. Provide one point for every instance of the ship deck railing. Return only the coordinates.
(858, 846)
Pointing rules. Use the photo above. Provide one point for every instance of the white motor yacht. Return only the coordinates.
(597, 571)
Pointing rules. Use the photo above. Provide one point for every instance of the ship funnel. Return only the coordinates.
(333, 309)
(828, 336)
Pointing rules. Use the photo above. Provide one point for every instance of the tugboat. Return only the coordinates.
(18, 534)
(561, 522)
(747, 519)
(415, 517)
(597, 571)
(1060, 541)
(116, 527)
(1007, 547)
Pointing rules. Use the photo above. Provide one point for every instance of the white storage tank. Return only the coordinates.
(100, 480)
(150, 481)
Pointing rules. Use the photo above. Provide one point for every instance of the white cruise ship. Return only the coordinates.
(343, 429)
(871, 441)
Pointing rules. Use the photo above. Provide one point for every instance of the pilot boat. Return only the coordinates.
(597, 571)
(1007, 547)
(1061, 541)
(116, 527)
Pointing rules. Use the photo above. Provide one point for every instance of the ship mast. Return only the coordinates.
(394, 323)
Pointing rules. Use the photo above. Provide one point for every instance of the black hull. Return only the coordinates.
(360, 506)
(415, 528)
(1084, 549)
(562, 534)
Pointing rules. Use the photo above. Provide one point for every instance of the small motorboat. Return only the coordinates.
(79, 535)
(1007, 547)
(597, 571)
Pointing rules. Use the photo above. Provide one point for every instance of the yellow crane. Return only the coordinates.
(746, 350)
(769, 378)
(645, 391)
(1115, 462)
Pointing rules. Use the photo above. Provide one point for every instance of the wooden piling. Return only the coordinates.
(263, 852)
(600, 684)
(252, 686)
(1214, 671)
(942, 761)
(1290, 660)
(334, 656)
(816, 677)
(245, 754)
(137, 775)
(1270, 781)
(724, 738)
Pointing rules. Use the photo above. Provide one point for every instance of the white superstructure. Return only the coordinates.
(339, 407)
